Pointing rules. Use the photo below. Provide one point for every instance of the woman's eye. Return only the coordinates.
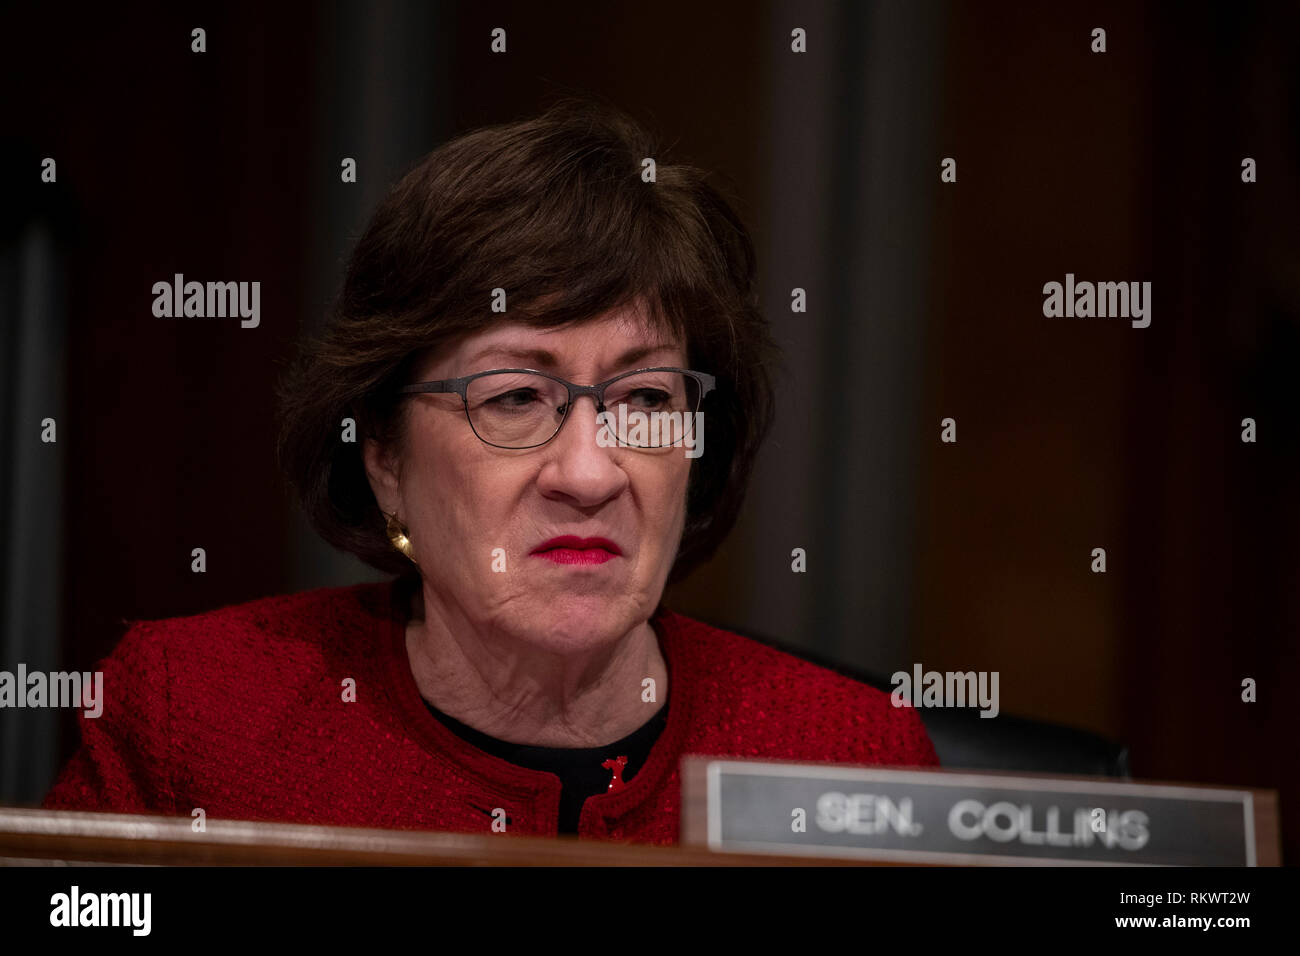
(648, 397)
(515, 398)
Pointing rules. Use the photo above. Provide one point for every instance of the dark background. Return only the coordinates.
(925, 301)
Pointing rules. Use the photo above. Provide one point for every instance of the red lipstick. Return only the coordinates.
(568, 549)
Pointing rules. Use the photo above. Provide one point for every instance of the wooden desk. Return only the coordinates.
(30, 837)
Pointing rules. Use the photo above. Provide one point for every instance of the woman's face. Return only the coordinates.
(477, 514)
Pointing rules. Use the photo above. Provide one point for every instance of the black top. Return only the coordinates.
(579, 768)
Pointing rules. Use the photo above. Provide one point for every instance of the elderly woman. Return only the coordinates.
(538, 402)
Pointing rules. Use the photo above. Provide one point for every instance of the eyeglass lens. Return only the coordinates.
(521, 410)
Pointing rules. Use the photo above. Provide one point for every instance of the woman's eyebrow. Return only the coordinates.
(543, 359)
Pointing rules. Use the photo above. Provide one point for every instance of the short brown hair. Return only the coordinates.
(553, 209)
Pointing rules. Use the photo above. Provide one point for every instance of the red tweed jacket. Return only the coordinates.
(241, 711)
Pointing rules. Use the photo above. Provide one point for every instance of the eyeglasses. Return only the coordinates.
(525, 408)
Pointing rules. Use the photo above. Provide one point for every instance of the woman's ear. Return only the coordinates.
(382, 473)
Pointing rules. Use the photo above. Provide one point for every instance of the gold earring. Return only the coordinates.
(397, 534)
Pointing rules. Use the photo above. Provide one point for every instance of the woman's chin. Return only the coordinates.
(575, 622)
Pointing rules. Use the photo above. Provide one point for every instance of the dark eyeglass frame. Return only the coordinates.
(460, 386)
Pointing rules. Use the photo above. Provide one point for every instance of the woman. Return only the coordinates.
(538, 401)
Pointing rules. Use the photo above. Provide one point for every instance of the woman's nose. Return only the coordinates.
(579, 467)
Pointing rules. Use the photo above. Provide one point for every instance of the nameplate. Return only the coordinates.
(962, 817)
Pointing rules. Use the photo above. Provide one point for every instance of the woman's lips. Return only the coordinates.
(577, 555)
(573, 550)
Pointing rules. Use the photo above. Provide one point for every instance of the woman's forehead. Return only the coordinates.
(600, 343)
